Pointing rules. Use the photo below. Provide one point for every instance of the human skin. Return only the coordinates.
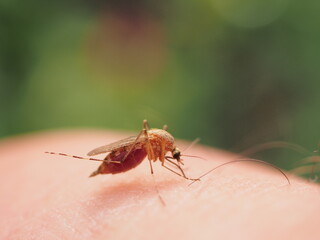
(51, 197)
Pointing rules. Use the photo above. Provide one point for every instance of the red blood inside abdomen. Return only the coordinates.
(131, 161)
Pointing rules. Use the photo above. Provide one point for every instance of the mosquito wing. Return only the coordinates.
(115, 145)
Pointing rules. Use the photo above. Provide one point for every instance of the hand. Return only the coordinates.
(51, 197)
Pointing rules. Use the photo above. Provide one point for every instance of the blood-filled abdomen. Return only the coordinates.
(117, 165)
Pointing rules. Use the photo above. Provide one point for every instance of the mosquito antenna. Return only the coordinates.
(183, 155)
(276, 144)
(245, 160)
(193, 156)
(194, 142)
(73, 156)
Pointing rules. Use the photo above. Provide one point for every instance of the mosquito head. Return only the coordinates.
(176, 153)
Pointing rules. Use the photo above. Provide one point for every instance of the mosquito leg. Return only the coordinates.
(78, 157)
(143, 131)
(146, 124)
(132, 146)
(150, 151)
(178, 166)
(174, 172)
(181, 175)
(163, 146)
(181, 170)
(179, 161)
(155, 185)
(151, 168)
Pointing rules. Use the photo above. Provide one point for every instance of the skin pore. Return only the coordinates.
(51, 197)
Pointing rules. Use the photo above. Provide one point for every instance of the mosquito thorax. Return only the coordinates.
(161, 135)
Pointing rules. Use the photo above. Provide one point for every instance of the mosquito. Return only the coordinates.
(128, 153)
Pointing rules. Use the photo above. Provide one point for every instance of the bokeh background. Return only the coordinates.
(234, 73)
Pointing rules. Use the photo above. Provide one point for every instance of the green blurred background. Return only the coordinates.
(234, 73)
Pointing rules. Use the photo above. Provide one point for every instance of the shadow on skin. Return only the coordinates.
(133, 192)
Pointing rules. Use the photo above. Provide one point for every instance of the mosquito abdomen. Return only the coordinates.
(113, 164)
